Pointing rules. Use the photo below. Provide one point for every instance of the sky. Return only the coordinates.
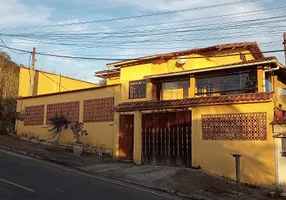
(25, 24)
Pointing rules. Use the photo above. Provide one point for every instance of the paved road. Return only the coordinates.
(25, 179)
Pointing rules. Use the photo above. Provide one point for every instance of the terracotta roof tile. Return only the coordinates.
(234, 98)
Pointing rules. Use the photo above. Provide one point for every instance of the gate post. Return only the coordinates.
(137, 151)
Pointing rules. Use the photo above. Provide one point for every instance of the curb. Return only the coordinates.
(67, 164)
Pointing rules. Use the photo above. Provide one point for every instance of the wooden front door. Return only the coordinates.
(126, 137)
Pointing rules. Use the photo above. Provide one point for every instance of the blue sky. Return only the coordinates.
(125, 39)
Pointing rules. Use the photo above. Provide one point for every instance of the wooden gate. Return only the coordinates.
(126, 137)
(166, 139)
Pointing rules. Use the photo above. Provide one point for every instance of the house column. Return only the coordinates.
(192, 87)
(275, 84)
(260, 80)
(196, 134)
(81, 110)
(149, 89)
(116, 131)
(137, 144)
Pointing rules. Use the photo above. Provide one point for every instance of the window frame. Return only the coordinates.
(243, 90)
(131, 83)
(176, 80)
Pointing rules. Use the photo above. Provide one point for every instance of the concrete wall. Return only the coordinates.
(257, 161)
(99, 133)
(46, 83)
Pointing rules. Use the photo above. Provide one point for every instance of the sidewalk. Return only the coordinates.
(47, 153)
(190, 183)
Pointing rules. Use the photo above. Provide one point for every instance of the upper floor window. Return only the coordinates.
(137, 89)
(241, 82)
(176, 89)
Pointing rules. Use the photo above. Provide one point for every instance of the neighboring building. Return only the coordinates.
(189, 108)
(46, 83)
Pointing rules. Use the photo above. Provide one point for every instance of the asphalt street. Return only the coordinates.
(22, 179)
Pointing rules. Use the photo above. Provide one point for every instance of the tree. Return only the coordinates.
(9, 86)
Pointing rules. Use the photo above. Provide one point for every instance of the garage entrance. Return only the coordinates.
(167, 138)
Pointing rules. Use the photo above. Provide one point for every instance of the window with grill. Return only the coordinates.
(137, 89)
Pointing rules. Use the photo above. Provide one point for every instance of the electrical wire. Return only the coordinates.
(123, 28)
(143, 15)
(10, 48)
(183, 33)
(122, 59)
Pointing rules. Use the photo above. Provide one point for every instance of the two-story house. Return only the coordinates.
(192, 108)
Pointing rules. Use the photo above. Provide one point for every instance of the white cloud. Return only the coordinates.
(14, 13)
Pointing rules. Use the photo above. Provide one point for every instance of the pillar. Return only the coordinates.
(149, 90)
(116, 132)
(275, 84)
(260, 80)
(46, 121)
(196, 134)
(192, 87)
(81, 108)
(137, 144)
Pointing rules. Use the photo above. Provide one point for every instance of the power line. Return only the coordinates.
(153, 42)
(234, 24)
(144, 15)
(123, 28)
(10, 48)
(184, 31)
(184, 36)
(122, 59)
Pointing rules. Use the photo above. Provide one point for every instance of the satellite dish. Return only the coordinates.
(181, 60)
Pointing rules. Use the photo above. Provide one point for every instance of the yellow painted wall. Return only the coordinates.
(113, 80)
(137, 72)
(46, 83)
(257, 161)
(197, 61)
(133, 73)
(99, 133)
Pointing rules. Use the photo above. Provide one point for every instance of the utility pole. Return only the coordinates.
(284, 42)
(32, 72)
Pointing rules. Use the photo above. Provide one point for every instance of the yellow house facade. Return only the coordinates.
(192, 108)
(46, 82)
